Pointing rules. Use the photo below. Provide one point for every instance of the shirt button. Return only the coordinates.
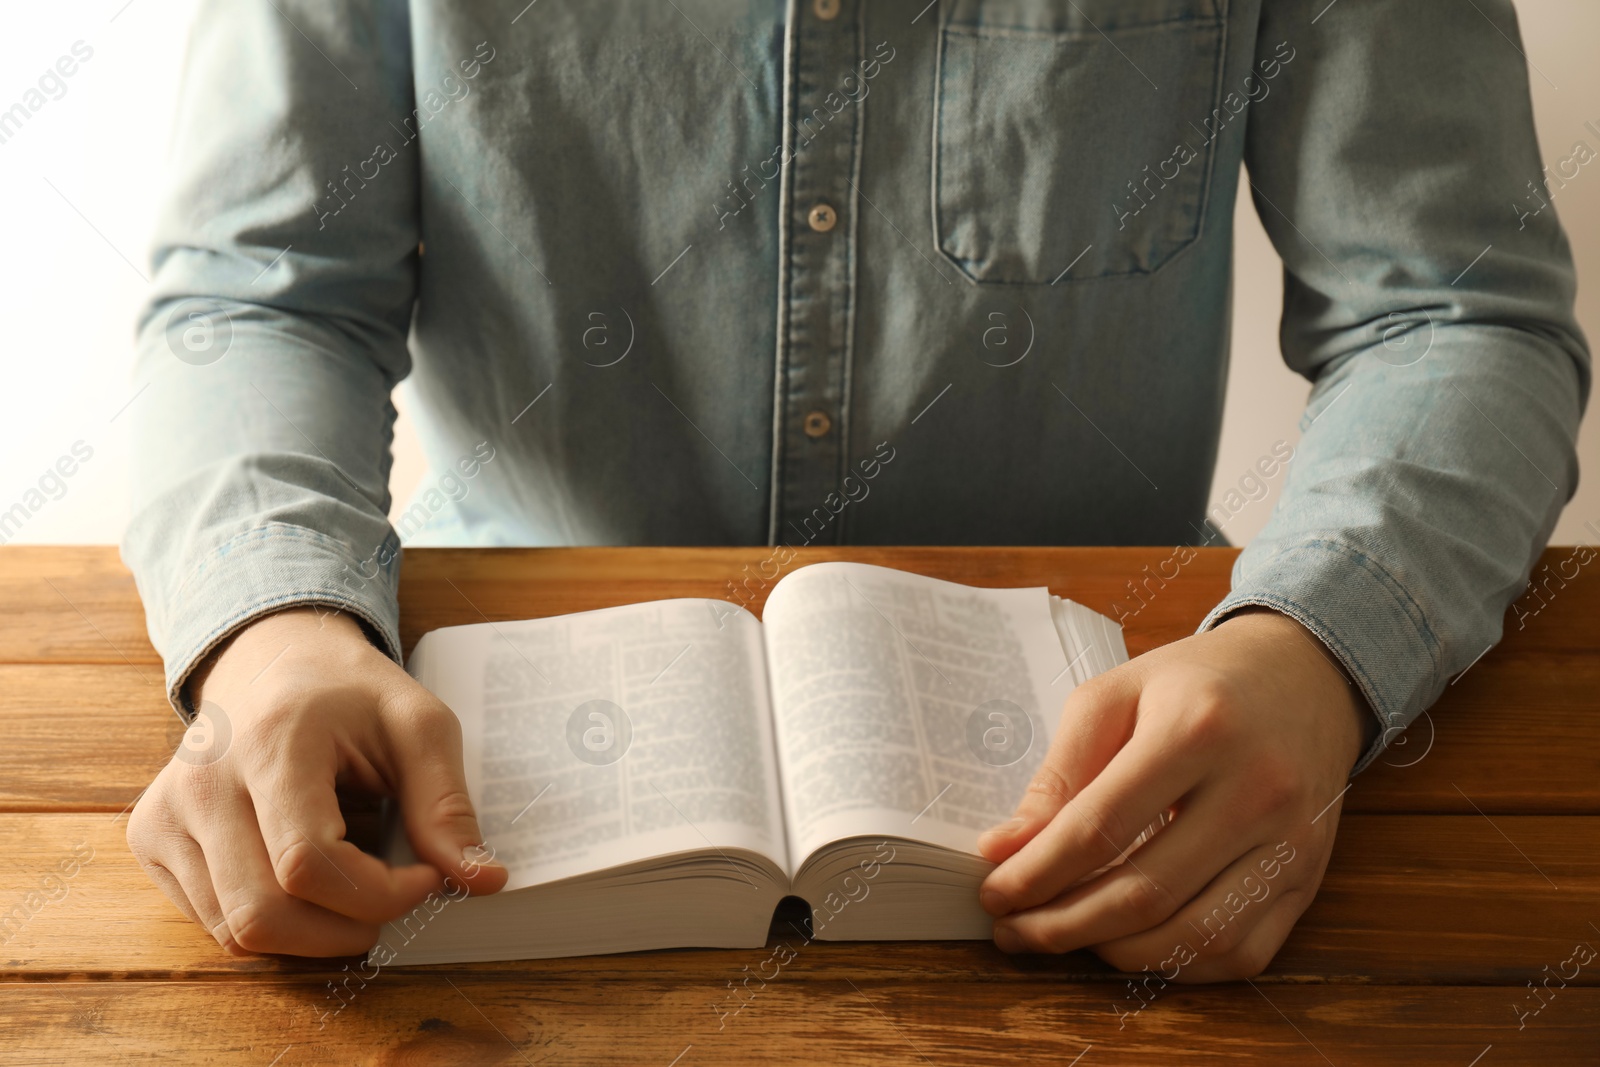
(823, 218)
(817, 423)
(827, 10)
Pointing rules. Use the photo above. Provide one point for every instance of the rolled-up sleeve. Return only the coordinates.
(1428, 297)
(285, 265)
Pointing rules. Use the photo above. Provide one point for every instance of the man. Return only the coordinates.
(668, 273)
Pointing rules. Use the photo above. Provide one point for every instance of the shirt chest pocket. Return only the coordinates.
(1072, 139)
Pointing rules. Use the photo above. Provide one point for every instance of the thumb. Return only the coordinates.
(440, 821)
(1096, 721)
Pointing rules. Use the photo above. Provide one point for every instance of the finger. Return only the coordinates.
(1138, 894)
(173, 861)
(303, 829)
(261, 916)
(1261, 943)
(169, 884)
(440, 820)
(1258, 948)
(179, 868)
(1216, 931)
(1141, 782)
(1096, 721)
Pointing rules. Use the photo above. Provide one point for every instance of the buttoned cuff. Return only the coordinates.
(269, 569)
(1359, 611)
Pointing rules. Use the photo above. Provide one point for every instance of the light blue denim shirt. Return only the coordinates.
(848, 272)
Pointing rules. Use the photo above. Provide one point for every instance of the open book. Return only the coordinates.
(663, 774)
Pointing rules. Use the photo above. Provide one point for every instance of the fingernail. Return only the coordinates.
(1006, 939)
(994, 902)
(475, 856)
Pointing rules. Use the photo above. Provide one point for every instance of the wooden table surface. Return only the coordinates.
(1466, 871)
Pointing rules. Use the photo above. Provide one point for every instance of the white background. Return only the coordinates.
(80, 181)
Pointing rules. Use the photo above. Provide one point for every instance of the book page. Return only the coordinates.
(906, 705)
(610, 736)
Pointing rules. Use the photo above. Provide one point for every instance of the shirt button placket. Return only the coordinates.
(823, 126)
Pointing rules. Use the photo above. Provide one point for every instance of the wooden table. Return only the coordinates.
(1457, 880)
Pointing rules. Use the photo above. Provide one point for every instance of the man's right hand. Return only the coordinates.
(245, 834)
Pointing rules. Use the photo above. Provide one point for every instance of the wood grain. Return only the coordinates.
(1467, 866)
(1505, 736)
(401, 1018)
(1406, 898)
(81, 737)
(70, 605)
(79, 605)
(1519, 733)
